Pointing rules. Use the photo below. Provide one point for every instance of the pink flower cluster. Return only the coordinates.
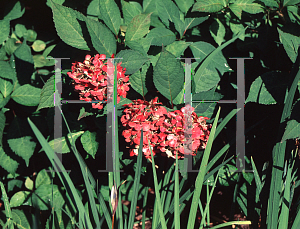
(91, 79)
(166, 131)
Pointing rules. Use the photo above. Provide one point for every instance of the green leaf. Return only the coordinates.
(22, 219)
(138, 27)
(248, 6)
(203, 49)
(20, 30)
(93, 10)
(227, 175)
(38, 45)
(130, 10)
(292, 130)
(6, 87)
(7, 72)
(168, 76)
(11, 46)
(64, 144)
(68, 27)
(39, 61)
(27, 95)
(30, 35)
(237, 10)
(42, 197)
(161, 36)
(290, 2)
(217, 31)
(29, 183)
(208, 6)
(270, 88)
(236, 28)
(206, 79)
(89, 143)
(20, 139)
(102, 38)
(7, 163)
(2, 125)
(138, 80)
(4, 25)
(13, 10)
(19, 198)
(141, 45)
(167, 11)
(189, 23)
(184, 5)
(132, 60)
(177, 48)
(150, 6)
(47, 94)
(110, 14)
(290, 43)
(42, 178)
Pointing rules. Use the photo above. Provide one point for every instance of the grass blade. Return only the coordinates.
(8, 213)
(176, 196)
(201, 174)
(232, 223)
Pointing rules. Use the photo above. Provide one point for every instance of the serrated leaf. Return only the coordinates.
(130, 10)
(6, 87)
(167, 11)
(102, 38)
(27, 95)
(290, 2)
(7, 163)
(205, 80)
(177, 48)
(7, 72)
(18, 198)
(20, 140)
(110, 14)
(13, 10)
(22, 219)
(161, 36)
(138, 27)
(202, 49)
(270, 88)
(168, 75)
(292, 130)
(209, 6)
(47, 94)
(67, 26)
(42, 178)
(132, 60)
(217, 31)
(4, 25)
(184, 5)
(138, 80)
(64, 144)
(89, 143)
(290, 43)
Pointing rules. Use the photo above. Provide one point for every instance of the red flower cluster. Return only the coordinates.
(91, 79)
(167, 131)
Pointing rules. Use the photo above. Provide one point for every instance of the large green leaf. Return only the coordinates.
(27, 95)
(140, 45)
(7, 163)
(189, 23)
(290, 2)
(68, 27)
(138, 27)
(102, 38)
(184, 5)
(110, 14)
(206, 79)
(168, 76)
(42, 197)
(4, 25)
(161, 36)
(209, 6)
(13, 10)
(270, 88)
(22, 219)
(42, 178)
(168, 11)
(6, 87)
(202, 49)
(132, 60)
(7, 72)
(292, 130)
(217, 31)
(19, 198)
(249, 6)
(290, 43)
(150, 6)
(47, 94)
(93, 10)
(89, 143)
(130, 10)
(20, 139)
(138, 80)
(177, 48)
